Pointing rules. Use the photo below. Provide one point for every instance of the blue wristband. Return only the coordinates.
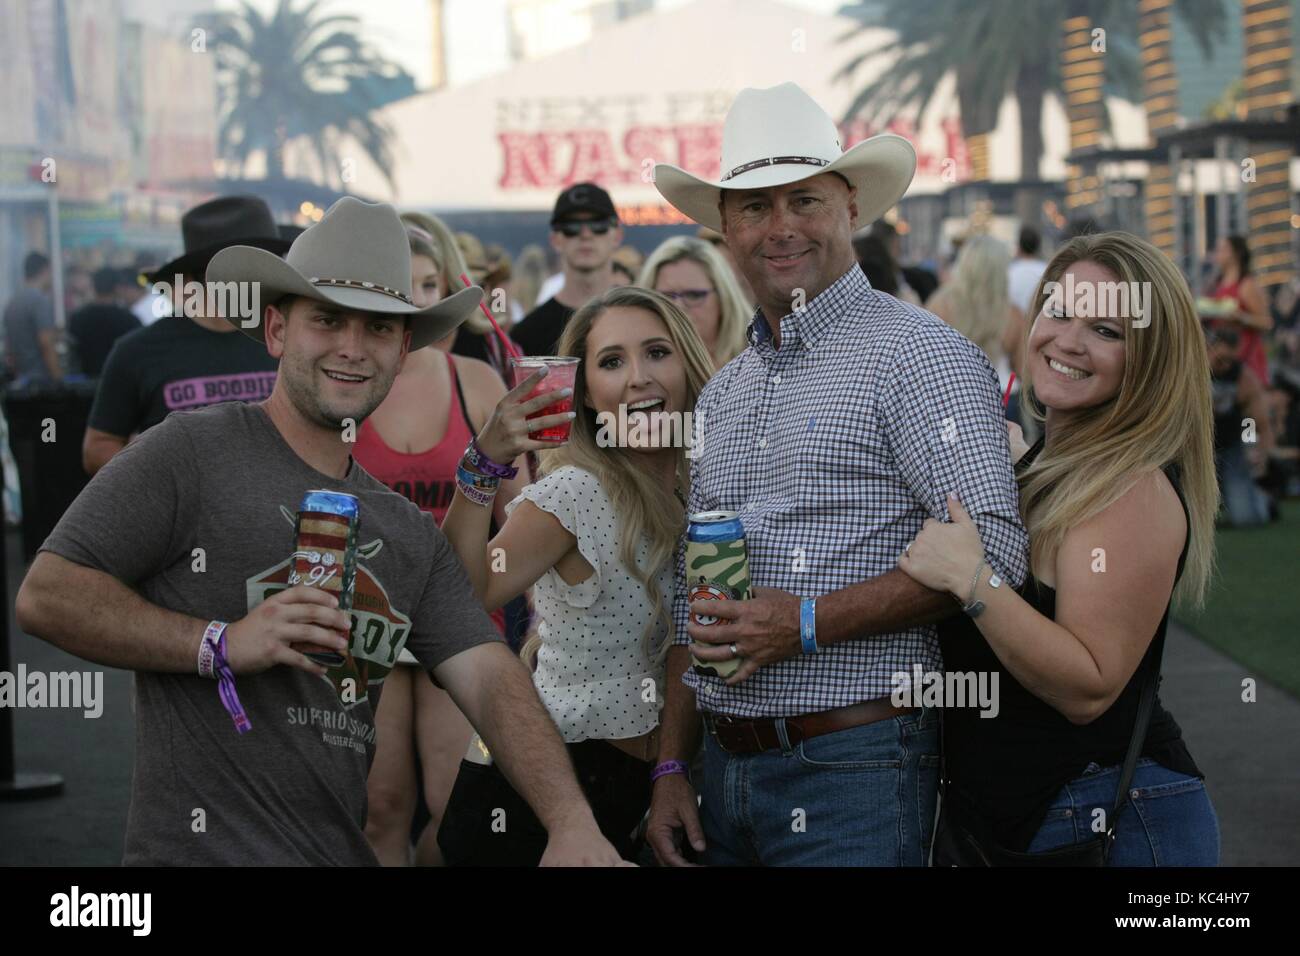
(482, 482)
(808, 625)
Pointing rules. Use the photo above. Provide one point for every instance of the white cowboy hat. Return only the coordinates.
(780, 135)
(358, 257)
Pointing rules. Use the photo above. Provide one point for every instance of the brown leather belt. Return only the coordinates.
(746, 735)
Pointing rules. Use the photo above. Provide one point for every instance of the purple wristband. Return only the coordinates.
(476, 459)
(226, 684)
(206, 659)
(667, 767)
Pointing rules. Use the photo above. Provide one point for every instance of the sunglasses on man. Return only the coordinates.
(574, 228)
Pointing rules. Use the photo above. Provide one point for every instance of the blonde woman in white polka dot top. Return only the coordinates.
(595, 538)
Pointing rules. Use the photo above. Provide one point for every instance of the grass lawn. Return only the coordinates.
(1252, 612)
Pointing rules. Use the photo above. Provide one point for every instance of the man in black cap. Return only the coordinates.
(585, 233)
(192, 357)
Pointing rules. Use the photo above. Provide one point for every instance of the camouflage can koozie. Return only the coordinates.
(717, 569)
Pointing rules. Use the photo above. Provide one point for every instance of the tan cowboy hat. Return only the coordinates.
(357, 257)
(780, 135)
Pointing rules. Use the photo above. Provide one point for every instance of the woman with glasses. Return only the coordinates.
(695, 276)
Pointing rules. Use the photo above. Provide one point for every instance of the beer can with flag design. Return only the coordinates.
(717, 569)
(325, 554)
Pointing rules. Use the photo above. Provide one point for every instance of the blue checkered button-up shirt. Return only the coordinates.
(834, 449)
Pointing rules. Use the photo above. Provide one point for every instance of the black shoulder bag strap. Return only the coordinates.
(1140, 724)
(1149, 685)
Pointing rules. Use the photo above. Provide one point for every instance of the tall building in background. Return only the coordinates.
(437, 44)
(109, 118)
(473, 39)
(172, 17)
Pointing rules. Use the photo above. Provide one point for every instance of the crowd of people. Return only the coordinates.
(924, 461)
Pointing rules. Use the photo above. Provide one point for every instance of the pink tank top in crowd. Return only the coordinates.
(427, 478)
(1250, 347)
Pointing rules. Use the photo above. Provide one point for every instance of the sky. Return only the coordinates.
(476, 38)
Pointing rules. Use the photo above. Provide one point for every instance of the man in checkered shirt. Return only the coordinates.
(834, 436)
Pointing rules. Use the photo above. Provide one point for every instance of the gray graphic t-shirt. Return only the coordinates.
(197, 514)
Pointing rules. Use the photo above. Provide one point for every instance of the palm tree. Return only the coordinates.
(1082, 68)
(996, 48)
(1083, 73)
(299, 74)
(1161, 104)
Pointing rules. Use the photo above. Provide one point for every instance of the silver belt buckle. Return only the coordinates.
(711, 722)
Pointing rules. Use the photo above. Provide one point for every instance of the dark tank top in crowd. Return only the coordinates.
(1003, 772)
(1227, 410)
(485, 348)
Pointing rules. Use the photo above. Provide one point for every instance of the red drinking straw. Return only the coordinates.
(1005, 398)
(512, 350)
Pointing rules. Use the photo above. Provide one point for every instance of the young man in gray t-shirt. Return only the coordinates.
(191, 526)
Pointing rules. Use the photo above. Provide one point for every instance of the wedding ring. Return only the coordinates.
(735, 651)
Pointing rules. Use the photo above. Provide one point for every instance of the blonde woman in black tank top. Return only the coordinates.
(1119, 501)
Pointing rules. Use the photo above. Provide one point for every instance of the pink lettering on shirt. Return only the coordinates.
(210, 389)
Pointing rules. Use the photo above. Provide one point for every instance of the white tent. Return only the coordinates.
(656, 88)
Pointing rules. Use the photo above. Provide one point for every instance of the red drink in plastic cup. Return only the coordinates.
(563, 371)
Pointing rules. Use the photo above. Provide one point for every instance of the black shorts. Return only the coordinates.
(487, 823)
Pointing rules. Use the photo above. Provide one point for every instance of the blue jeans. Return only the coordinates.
(858, 797)
(1169, 822)
(1244, 501)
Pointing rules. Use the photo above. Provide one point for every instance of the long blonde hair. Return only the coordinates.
(450, 262)
(1161, 414)
(530, 274)
(735, 311)
(975, 300)
(643, 507)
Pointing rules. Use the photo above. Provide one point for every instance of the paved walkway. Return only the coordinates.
(1250, 754)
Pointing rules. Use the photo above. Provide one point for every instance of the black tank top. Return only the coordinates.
(1003, 772)
(1227, 409)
